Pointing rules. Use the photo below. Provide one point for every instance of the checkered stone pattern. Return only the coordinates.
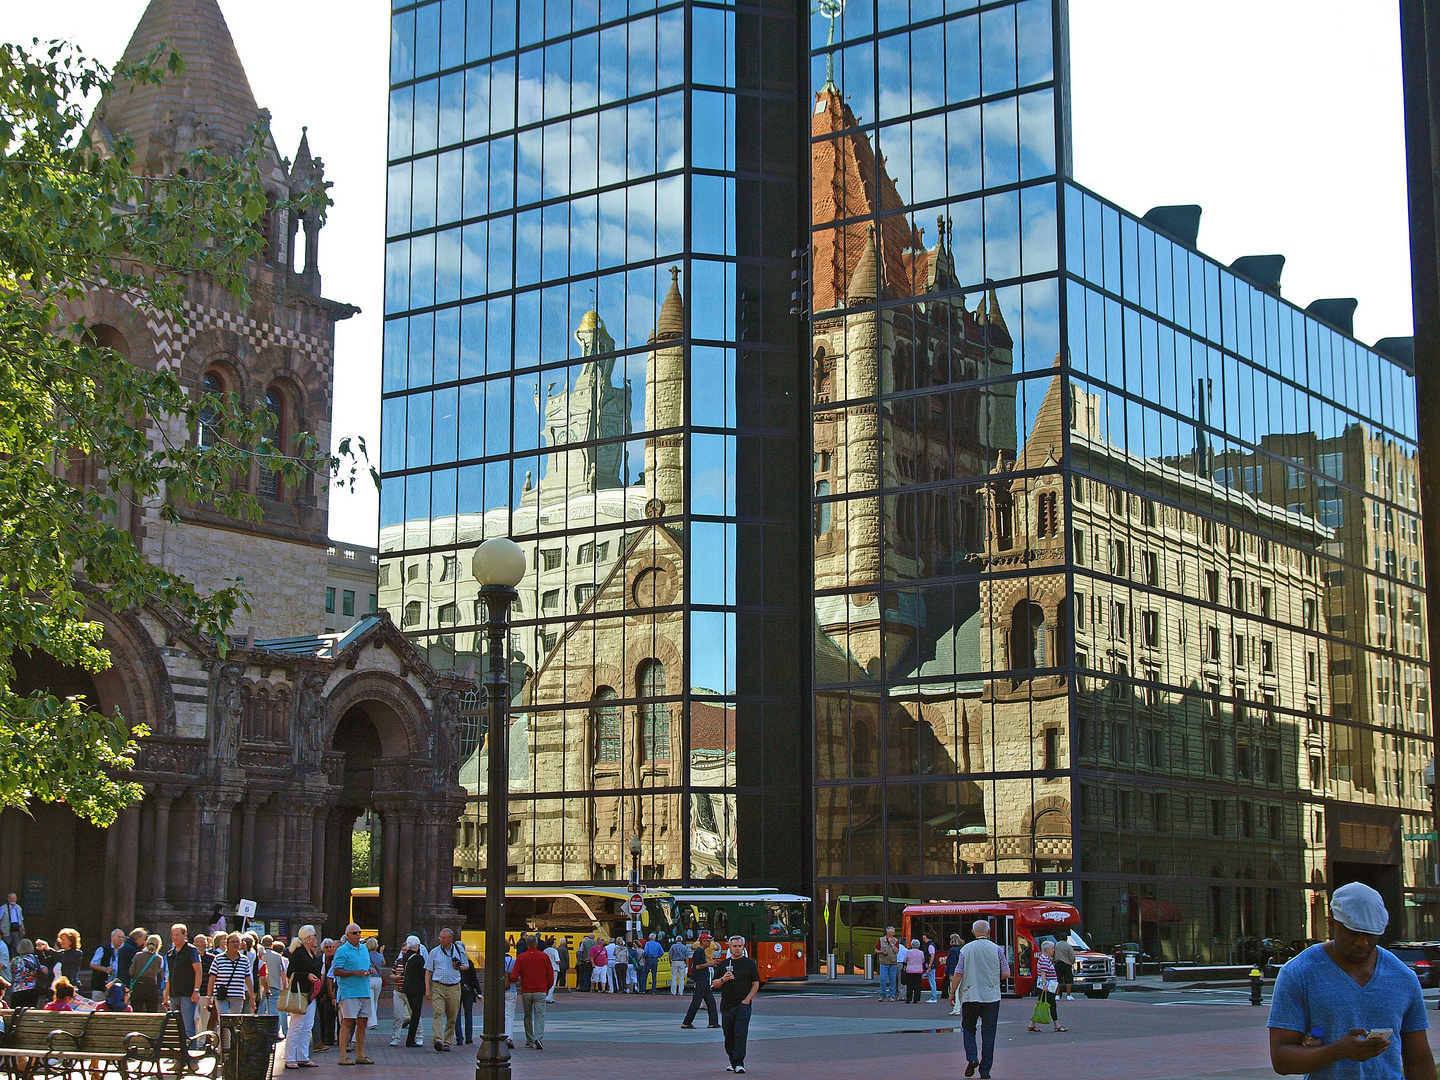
(172, 341)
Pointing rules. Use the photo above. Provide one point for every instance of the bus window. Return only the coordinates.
(694, 919)
(785, 920)
(365, 910)
(472, 912)
(799, 916)
(720, 925)
(519, 913)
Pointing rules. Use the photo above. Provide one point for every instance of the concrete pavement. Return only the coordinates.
(828, 1036)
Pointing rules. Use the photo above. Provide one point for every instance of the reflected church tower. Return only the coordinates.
(665, 406)
(594, 717)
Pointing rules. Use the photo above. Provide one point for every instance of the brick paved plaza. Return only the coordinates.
(828, 1033)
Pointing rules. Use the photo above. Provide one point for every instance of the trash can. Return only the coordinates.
(248, 1046)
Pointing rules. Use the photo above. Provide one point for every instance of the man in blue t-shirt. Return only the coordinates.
(1363, 1006)
(351, 968)
(651, 979)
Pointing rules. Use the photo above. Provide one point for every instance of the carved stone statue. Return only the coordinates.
(229, 712)
(312, 716)
(447, 713)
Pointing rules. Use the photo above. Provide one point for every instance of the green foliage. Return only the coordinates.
(360, 860)
(75, 216)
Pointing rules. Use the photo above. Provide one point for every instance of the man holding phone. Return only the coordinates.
(1357, 995)
(738, 979)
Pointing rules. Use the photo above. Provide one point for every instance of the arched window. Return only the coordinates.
(472, 721)
(654, 716)
(1027, 637)
(269, 481)
(269, 229)
(213, 385)
(607, 726)
(448, 615)
(413, 611)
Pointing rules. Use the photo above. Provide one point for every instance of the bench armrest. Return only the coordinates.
(60, 1033)
(137, 1042)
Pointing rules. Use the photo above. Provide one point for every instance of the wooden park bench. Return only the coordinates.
(77, 1045)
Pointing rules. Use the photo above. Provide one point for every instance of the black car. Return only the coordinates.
(1421, 957)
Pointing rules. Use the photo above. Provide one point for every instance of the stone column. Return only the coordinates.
(128, 866)
(247, 846)
(164, 796)
(317, 856)
(410, 853)
(392, 928)
(212, 883)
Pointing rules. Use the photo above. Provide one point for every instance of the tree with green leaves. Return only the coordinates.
(75, 216)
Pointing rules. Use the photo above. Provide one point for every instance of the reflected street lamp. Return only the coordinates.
(635, 878)
(499, 566)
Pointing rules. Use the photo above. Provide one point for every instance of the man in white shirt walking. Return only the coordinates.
(442, 986)
(983, 964)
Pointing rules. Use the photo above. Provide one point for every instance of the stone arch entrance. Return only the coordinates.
(71, 871)
(395, 775)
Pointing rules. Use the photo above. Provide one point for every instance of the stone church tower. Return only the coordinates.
(261, 761)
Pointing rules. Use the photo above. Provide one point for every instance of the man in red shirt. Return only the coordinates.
(533, 971)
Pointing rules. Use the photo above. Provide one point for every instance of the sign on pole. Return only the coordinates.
(636, 905)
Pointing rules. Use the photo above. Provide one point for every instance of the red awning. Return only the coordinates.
(1158, 911)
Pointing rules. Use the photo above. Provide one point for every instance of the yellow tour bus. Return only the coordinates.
(566, 914)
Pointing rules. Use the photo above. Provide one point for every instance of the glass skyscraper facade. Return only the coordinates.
(578, 358)
(1011, 547)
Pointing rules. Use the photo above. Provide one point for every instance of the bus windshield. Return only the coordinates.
(786, 920)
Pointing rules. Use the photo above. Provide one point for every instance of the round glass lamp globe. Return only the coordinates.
(499, 561)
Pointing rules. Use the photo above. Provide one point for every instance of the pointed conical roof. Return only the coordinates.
(212, 90)
(671, 323)
(303, 160)
(865, 281)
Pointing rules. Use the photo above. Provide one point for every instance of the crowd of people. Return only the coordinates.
(326, 993)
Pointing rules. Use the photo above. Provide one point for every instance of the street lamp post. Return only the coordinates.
(635, 878)
(499, 566)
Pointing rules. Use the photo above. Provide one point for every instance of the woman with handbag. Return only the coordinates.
(1047, 1009)
(145, 977)
(301, 985)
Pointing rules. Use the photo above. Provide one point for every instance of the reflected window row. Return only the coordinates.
(562, 160)
(566, 240)
(626, 59)
(1005, 46)
(587, 839)
(1181, 286)
(1120, 346)
(536, 327)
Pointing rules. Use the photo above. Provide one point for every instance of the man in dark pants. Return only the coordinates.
(739, 980)
(412, 985)
(700, 965)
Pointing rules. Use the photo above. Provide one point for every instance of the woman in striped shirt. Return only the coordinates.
(1047, 983)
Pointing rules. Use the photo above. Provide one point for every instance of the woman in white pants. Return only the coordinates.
(554, 956)
(377, 977)
(305, 961)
